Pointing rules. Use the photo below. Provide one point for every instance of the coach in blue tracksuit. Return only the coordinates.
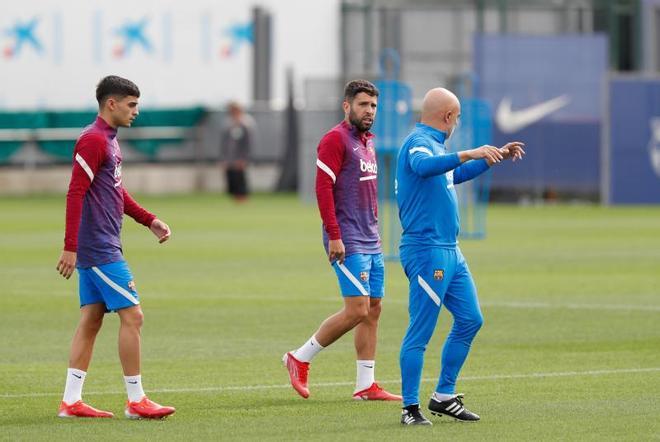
(436, 269)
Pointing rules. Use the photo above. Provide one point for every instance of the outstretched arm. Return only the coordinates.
(425, 164)
(470, 170)
(473, 169)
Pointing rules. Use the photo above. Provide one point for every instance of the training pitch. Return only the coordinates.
(570, 348)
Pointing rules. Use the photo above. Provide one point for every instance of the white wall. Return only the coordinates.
(185, 67)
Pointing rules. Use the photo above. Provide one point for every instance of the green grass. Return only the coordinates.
(570, 294)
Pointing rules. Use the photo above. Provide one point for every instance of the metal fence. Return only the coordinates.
(434, 39)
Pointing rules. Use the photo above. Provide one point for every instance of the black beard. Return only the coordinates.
(362, 127)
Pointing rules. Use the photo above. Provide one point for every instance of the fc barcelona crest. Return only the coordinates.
(438, 275)
(364, 276)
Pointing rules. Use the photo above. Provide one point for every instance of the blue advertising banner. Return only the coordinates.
(631, 163)
(547, 92)
(561, 156)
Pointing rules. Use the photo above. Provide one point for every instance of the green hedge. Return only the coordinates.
(186, 118)
(18, 120)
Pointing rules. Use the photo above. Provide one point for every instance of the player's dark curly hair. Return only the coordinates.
(354, 87)
(113, 85)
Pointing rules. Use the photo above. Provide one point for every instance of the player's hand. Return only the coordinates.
(490, 153)
(336, 250)
(513, 150)
(161, 230)
(67, 263)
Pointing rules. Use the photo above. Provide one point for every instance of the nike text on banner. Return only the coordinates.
(510, 121)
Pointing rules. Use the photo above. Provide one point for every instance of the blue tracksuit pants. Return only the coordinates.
(437, 276)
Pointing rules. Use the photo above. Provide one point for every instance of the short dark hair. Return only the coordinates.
(354, 87)
(117, 86)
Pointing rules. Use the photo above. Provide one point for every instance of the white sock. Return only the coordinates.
(308, 350)
(442, 396)
(74, 384)
(134, 388)
(365, 375)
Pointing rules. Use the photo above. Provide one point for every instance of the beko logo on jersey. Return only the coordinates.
(117, 175)
(368, 166)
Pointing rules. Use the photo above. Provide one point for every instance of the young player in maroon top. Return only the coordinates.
(346, 191)
(95, 206)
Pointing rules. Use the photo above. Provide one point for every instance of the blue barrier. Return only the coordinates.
(631, 161)
(475, 129)
(393, 122)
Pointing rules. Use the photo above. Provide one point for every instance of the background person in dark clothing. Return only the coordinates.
(236, 142)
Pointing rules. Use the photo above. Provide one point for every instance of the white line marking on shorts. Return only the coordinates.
(353, 279)
(122, 291)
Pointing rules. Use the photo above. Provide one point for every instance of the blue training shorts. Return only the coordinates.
(110, 284)
(361, 275)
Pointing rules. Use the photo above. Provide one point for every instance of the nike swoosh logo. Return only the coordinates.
(132, 382)
(510, 121)
(79, 377)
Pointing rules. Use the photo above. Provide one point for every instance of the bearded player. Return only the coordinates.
(346, 191)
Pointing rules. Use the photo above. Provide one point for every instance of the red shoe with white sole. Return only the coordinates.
(147, 409)
(81, 409)
(375, 393)
(297, 374)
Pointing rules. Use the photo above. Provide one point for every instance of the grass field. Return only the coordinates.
(570, 349)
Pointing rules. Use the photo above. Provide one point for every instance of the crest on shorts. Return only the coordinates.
(364, 276)
(131, 285)
(438, 275)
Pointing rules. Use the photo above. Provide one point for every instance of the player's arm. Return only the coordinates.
(146, 218)
(328, 164)
(89, 155)
(513, 150)
(473, 169)
(470, 170)
(425, 164)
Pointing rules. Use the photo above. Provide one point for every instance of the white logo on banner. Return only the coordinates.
(510, 121)
(654, 145)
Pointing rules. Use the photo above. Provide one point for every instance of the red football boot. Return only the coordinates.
(375, 393)
(297, 374)
(147, 409)
(81, 409)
